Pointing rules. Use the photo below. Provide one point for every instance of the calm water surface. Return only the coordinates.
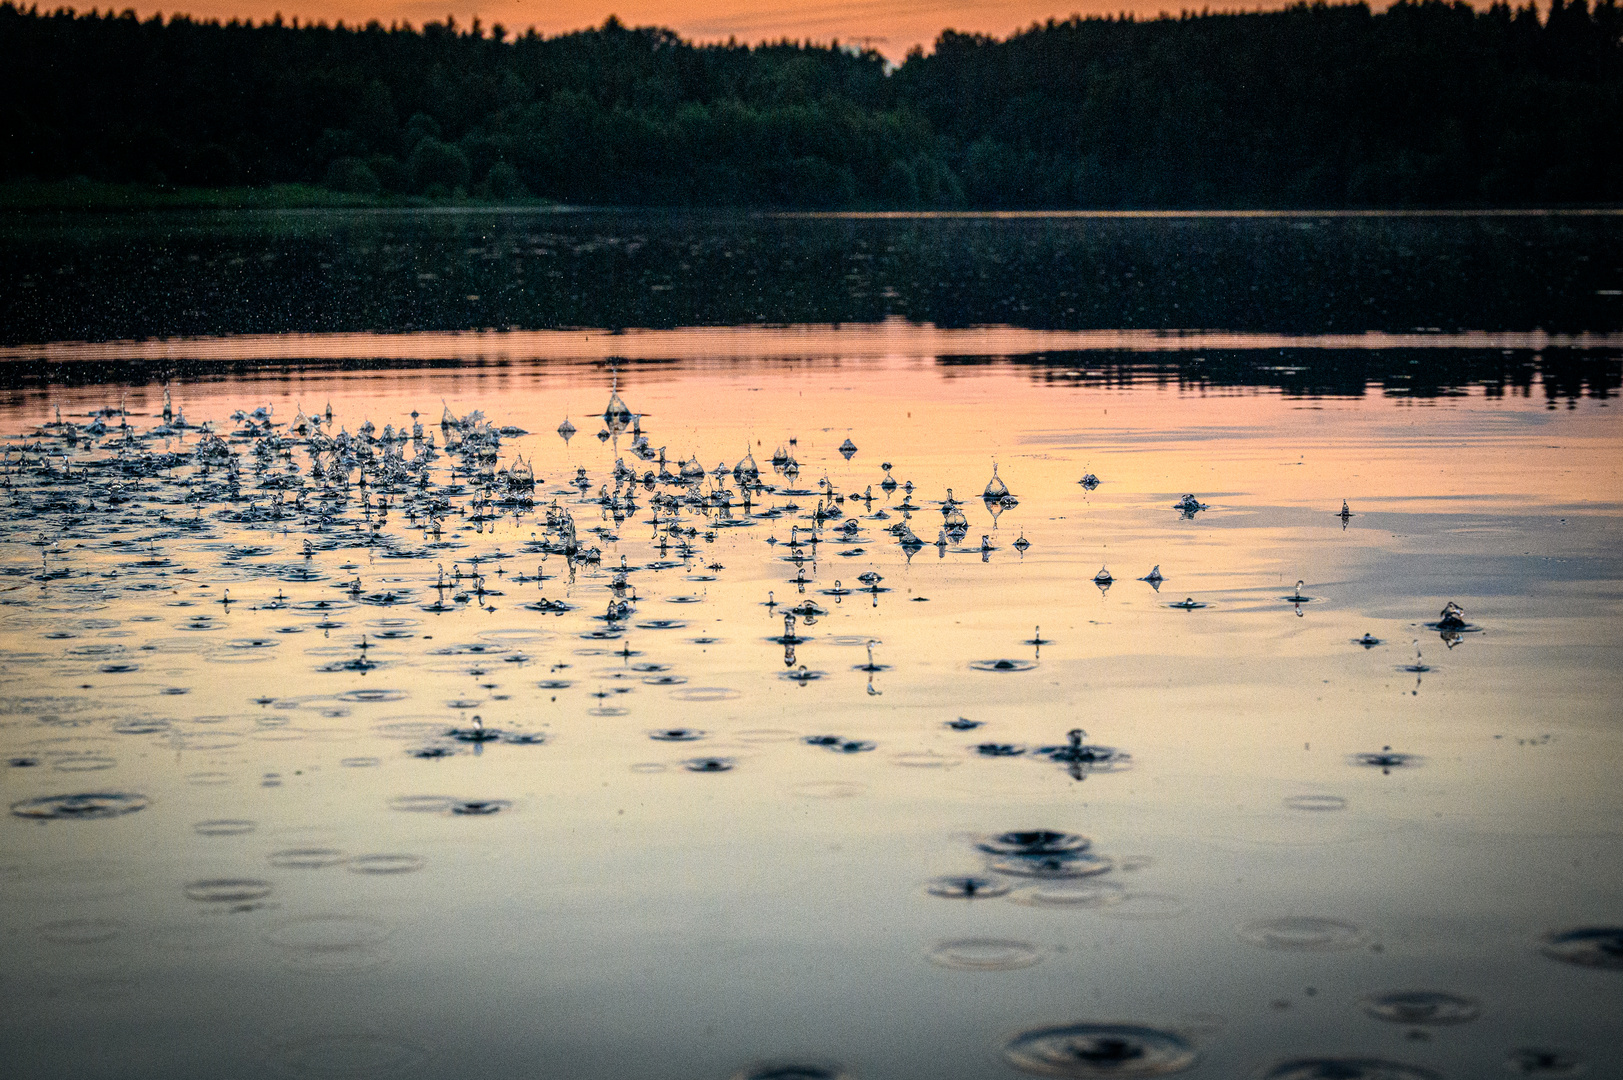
(254, 829)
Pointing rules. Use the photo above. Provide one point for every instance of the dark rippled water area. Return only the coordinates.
(1234, 704)
(130, 276)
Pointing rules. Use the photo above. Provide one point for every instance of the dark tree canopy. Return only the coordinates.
(1322, 106)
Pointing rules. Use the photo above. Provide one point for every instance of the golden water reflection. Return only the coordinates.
(619, 914)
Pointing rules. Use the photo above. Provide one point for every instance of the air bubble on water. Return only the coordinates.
(1087, 1050)
(1296, 933)
(984, 954)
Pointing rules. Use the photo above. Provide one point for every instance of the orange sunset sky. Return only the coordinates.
(891, 26)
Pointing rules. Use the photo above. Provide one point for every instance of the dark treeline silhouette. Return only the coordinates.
(1324, 106)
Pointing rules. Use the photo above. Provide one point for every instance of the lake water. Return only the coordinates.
(310, 777)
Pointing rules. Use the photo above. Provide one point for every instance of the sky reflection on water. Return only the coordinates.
(301, 893)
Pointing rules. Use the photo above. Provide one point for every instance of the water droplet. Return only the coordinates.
(1083, 1050)
(1302, 934)
(984, 954)
(80, 807)
(1421, 1007)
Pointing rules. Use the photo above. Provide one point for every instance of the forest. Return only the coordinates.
(1317, 106)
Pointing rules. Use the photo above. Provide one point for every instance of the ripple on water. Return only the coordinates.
(1316, 803)
(1590, 946)
(1073, 892)
(793, 1070)
(76, 763)
(372, 696)
(1054, 867)
(984, 954)
(1347, 1069)
(306, 858)
(386, 864)
(1543, 1061)
(79, 807)
(224, 827)
(81, 931)
(479, 807)
(1003, 665)
(141, 726)
(1297, 933)
(828, 789)
(228, 890)
(329, 944)
(1083, 1050)
(1421, 1007)
(676, 734)
(356, 1054)
(422, 804)
(708, 764)
(1034, 842)
(1146, 906)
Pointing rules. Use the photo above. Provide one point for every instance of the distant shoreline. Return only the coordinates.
(95, 197)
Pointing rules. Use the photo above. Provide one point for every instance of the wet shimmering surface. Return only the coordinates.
(334, 790)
